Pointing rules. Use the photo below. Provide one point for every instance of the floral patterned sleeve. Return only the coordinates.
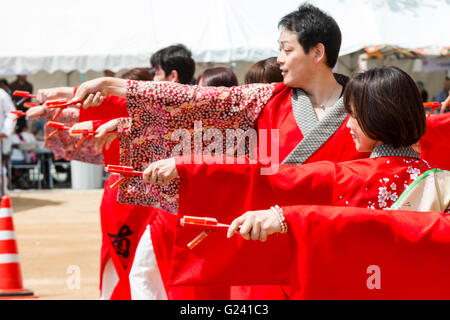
(123, 129)
(63, 145)
(165, 113)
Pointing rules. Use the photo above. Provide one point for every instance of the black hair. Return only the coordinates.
(176, 57)
(387, 105)
(313, 26)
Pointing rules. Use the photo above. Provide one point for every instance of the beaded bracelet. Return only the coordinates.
(280, 217)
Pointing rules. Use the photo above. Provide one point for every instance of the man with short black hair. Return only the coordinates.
(173, 63)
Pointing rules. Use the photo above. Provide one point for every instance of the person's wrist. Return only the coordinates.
(108, 85)
(103, 86)
(278, 212)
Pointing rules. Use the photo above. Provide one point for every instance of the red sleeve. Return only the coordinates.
(330, 253)
(98, 123)
(207, 189)
(354, 253)
(112, 107)
(210, 191)
(435, 144)
(112, 154)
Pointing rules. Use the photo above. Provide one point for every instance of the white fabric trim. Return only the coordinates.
(145, 278)
(429, 192)
(315, 132)
(9, 258)
(110, 279)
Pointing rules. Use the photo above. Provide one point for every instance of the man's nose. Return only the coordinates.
(280, 59)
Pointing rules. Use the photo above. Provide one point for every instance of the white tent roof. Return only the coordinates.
(83, 35)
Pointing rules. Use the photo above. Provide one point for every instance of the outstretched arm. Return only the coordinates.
(94, 91)
(54, 93)
(446, 104)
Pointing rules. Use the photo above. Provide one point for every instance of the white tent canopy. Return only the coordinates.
(50, 35)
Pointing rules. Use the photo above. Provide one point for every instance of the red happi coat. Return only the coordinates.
(350, 253)
(323, 236)
(435, 144)
(335, 146)
(120, 222)
(278, 114)
(162, 106)
(159, 109)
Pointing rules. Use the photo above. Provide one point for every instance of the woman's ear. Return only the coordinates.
(173, 76)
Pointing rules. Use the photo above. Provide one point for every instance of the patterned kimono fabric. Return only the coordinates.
(321, 235)
(147, 138)
(63, 145)
(158, 109)
(120, 222)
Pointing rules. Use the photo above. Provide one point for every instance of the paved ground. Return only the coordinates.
(58, 235)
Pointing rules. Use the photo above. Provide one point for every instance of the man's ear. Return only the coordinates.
(173, 76)
(319, 53)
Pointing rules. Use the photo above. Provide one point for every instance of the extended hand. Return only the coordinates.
(54, 93)
(255, 225)
(103, 137)
(446, 104)
(36, 112)
(161, 172)
(93, 92)
(85, 125)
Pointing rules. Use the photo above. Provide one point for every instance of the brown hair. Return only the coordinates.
(145, 74)
(264, 71)
(387, 105)
(218, 77)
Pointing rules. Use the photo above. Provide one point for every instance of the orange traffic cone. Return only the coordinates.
(10, 273)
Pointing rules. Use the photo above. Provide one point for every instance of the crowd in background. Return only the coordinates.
(22, 138)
